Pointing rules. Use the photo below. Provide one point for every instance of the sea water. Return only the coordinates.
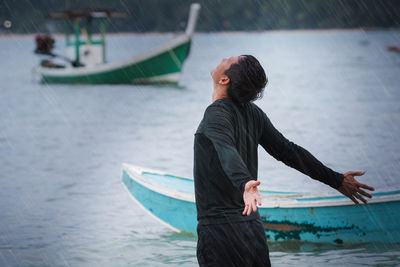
(62, 202)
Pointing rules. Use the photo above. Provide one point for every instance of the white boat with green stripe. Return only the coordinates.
(162, 64)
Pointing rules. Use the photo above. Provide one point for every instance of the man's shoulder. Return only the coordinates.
(221, 107)
(228, 107)
(254, 107)
(221, 104)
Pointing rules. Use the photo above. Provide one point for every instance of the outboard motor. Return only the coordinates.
(44, 47)
(44, 44)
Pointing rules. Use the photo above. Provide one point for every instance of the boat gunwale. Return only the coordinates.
(136, 173)
(278, 200)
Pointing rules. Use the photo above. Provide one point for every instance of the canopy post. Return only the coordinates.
(77, 40)
(89, 28)
(103, 39)
(67, 32)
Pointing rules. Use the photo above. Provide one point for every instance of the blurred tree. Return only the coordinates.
(216, 15)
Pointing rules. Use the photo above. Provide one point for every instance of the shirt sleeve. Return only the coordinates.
(296, 157)
(219, 129)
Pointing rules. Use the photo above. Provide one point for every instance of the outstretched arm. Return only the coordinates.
(302, 160)
(296, 157)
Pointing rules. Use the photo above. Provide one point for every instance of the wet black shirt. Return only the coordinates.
(225, 158)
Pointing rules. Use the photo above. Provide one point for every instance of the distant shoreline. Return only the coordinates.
(116, 34)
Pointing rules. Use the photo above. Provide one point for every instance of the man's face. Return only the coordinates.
(225, 64)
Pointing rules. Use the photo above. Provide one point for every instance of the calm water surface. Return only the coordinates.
(62, 202)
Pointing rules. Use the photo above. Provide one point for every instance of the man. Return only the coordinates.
(230, 231)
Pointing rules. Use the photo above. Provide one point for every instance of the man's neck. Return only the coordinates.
(219, 93)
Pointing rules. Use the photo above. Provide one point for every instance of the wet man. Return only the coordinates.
(230, 231)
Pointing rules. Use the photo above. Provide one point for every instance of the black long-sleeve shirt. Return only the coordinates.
(225, 159)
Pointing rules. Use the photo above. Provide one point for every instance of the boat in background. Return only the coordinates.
(86, 59)
(285, 215)
(394, 48)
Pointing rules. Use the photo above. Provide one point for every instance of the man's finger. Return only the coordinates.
(259, 201)
(254, 205)
(249, 185)
(360, 198)
(355, 173)
(245, 209)
(364, 193)
(354, 200)
(366, 186)
(254, 184)
(249, 210)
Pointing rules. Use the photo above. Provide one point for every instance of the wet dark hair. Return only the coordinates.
(247, 80)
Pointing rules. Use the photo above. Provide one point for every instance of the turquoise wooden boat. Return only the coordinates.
(87, 59)
(286, 215)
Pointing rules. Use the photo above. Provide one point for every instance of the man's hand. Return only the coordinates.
(352, 188)
(251, 197)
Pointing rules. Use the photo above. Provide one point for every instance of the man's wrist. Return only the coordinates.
(339, 181)
(243, 185)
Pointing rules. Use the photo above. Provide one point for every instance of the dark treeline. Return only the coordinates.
(29, 16)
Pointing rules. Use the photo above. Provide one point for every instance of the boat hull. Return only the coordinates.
(338, 224)
(308, 221)
(177, 214)
(163, 64)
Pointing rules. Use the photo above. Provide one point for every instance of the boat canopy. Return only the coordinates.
(88, 13)
(86, 51)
